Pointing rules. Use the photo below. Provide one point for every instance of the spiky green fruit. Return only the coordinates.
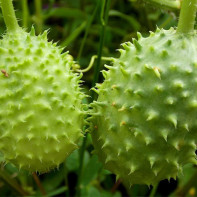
(41, 114)
(144, 120)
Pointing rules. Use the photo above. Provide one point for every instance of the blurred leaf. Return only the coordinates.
(187, 183)
(65, 13)
(109, 194)
(57, 191)
(74, 34)
(93, 192)
(53, 179)
(12, 169)
(72, 162)
(91, 170)
(90, 192)
(133, 22)
(1, 157)
(188, 171)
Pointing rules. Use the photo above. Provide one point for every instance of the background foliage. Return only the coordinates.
(87, 28)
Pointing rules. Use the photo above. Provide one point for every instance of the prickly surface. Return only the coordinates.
(144, 121)
(41, 114)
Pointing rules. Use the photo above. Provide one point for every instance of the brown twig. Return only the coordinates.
(39, 184)
(116, 185)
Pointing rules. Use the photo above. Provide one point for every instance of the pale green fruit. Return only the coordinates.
(41, 113)
(144, 120)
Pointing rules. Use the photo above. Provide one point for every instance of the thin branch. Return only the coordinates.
(39, 184)
(12, 182)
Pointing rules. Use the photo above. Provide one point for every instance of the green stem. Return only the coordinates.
(102, 39)
(102, 12)
(67, 193)
(25, 13)
(153, 191)
(81, 159)
(9, 15)
(187, 16)
(96, 76)
(170, 4)
(87, 30)
(39, 21)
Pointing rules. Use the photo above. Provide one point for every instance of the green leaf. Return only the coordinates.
(74, 34)
(65, 13)
(133, 22)
(90, 192)
(117, 194)
(93, 192)
(57, 191)
(72, 162)
(91, 170)
(188, 171)
(53, 179)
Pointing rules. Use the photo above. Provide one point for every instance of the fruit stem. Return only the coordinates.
(9, 15)
(187, 16)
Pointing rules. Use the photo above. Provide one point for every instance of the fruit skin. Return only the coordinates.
(144, 121)
(41, 114)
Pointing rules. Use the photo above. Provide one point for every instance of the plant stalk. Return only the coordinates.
(39, 19)
(89, 23)
(154, 190)
(106, 4)
(9, 15)
(187, 16)
(169, 4)
(25, 13)
(104, 19)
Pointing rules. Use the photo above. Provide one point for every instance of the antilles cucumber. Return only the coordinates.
(41, 114)
(145, 127)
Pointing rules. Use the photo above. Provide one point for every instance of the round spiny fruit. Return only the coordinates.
(145, 117)
(41, 114)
